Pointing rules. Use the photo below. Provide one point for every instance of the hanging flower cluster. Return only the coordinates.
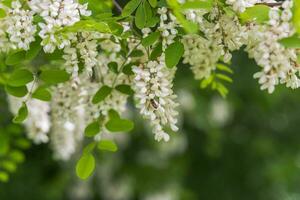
(69, 69)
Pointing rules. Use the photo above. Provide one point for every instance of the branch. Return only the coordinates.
(117, 5)
(271, 4)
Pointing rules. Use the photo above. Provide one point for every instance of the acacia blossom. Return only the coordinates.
(154, 93)
(56, 15)
(279, 64)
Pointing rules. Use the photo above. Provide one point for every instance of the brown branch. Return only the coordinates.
(271, 4)
(117, 5)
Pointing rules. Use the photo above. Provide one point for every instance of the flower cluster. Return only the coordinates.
(38, 122)
(279, 63)
(154, 93)
(57, 14)
(222, 34)
(17, 29)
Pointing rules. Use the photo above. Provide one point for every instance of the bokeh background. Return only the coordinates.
(244, 147)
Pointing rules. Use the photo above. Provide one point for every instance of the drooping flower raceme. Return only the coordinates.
(154, 93)
(222, 34)
(279, 64)
(20, 28)
(57, 14)
(38, 122)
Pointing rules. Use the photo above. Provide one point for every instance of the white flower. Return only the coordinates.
(57, 14)
(156, 100)
(38, 121)
(68, 118)
(222, 34)
(20, 28)
(279, 64)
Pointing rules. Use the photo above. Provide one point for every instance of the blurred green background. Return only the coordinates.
(244, 147)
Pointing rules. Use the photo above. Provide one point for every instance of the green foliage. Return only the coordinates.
(85, 166)
(200, 4)
(20, 77)
(42, 93)
(117, 124)
(12, 145)
(174, 53)
(16, 91)
(216, 79)
(150, 39)
(189, 26)
(22, 114)
(101, 94)
(125, 89)
(296, 15)
(130, 7)
(54, 76)
(258, 13)
(92, 129)
(107, 145)
(15, 58)
(113, 66)
(88, 25)
(291, 42)
(2, 13)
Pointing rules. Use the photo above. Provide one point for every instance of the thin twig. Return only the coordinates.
(117, 5)
(271, 4)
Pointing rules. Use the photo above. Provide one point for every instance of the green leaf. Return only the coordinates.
(296, 15)
(22, 143)
(42, 93)
(89, 148)
(119, 125)
(107, 145)
(136, 53)
(224, 77)
(16, 91)
(22, 114)
(224, 68)
(88, 25)
(113, 114)
(153, 3)
(17, 156)
(188, 26)
(290, 42)
(125, 89)
(113, 66)
(20, 77)
(92, 129)
(4, 144)
(127, 69)
(197, 5)
(116, 29)
(130, 7)
(156, 52)
(85, 166)
(15, 58)
(258, 13)
(140, 17)
(8, 166)
(2, 13)
(35, 48)
(3, 176)
(150, 39)
(148, 11)
(101, 94)
(54, 76)
(174, 53)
